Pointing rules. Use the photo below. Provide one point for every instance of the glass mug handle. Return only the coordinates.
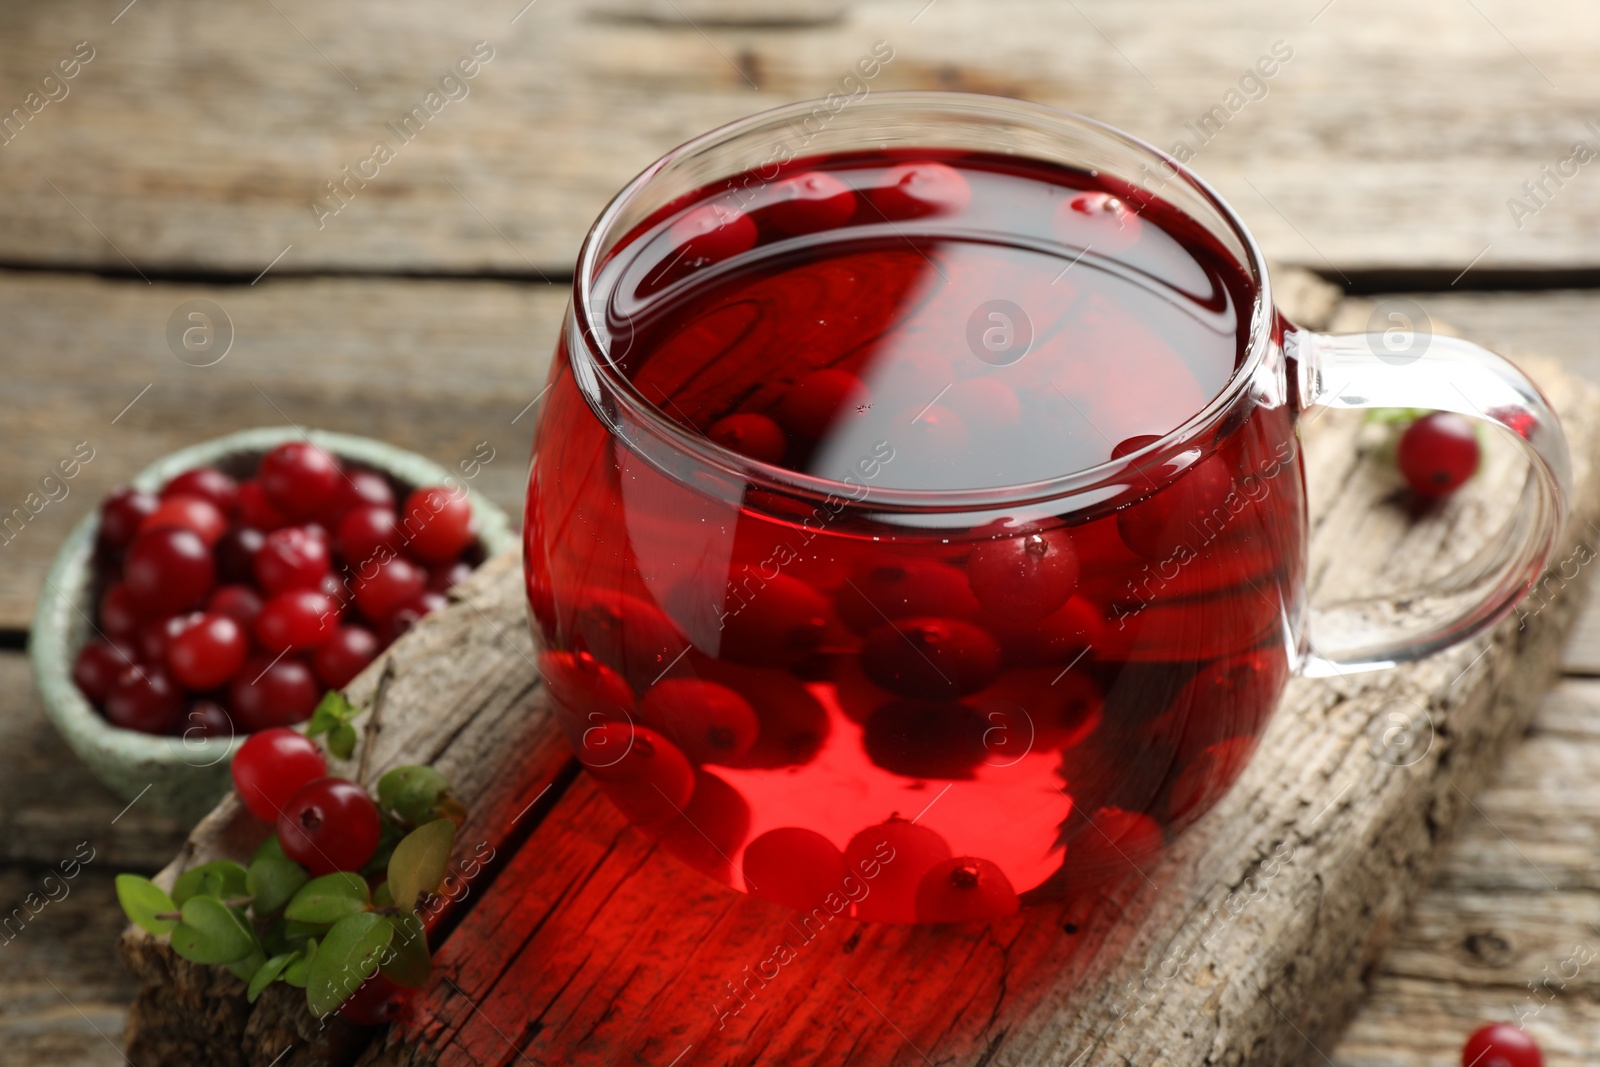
(1441, 374)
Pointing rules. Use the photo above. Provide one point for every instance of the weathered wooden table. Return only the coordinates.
(192, 143)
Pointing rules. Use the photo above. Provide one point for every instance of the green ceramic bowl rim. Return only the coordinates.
(61, 617)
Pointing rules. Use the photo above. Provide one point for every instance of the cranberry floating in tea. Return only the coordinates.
(920, 516)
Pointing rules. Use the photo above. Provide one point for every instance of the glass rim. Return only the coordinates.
(1086, 481)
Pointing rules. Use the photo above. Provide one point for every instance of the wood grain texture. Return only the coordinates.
(1229, 954)
(63, 992)
(433, 366)
(587, 947)
(197, 137)
(1510, 926)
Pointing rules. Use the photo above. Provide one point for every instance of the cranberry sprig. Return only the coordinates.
(336, 902)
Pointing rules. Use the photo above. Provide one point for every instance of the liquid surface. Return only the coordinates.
(1007, 308)
(945, 721)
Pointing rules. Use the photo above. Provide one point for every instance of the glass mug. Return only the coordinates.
(827, 658)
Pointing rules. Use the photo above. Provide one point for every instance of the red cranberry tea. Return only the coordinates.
(947, 712)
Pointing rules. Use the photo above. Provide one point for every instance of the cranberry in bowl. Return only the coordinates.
(204, 569)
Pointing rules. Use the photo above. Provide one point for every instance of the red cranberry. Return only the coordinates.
(121, 515)
(1437, 453)
(807, 203)
(381, 587)
(711, 829)
(239, 602)
(815, 401)
(642, 772)
(710, 722)
(144, 698)
(1099, 219)
(438, 523)
(1501, 1045)
(1189, 511)
(794, 866)
(208, 651)
(904, 588)
(1110, 845)
(932, 435)
(341, 657)
(329, 824)
(168, 570)
(300, 479)
(271, 765)
(625, 632)
(930, 657)
(155, 637)
(779, 624)
(892, 858)
(365, 532)
(188, 513)
(1026, 577)
(265, 694)
(1207, 778)
(926, 739)
(236, 554)
(299, 618)
(97, 667)
(445, 578)
(209, 484)
(584, 691)
(377, 1002)
(360, 488)
(711, 233)
(964, 889)
(256, 511)
(794, 724)
(750, 435)
(407, 615)
(120, 613)
(911, 190)
(291, 558)
(206, 719)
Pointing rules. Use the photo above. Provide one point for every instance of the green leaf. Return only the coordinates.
(348, 956)
(268, 973)
(273, 882)
(407, 964)
(142, 900)
(223, 879)
(245, 969)
(381, 897)
(1395, 415)
(294, 932)
(342, 740)
(412, 793)
(212, 932)
(333, 710)
(271, 848)
(420, 861)
(298, 971)
(390, 831)
(329, 898)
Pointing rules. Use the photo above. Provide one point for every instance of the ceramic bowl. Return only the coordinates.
(180, 776)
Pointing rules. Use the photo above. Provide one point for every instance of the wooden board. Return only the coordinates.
(197, 137)
(433, 366)
(1510, 928)
(586, 947)
(63, 993)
